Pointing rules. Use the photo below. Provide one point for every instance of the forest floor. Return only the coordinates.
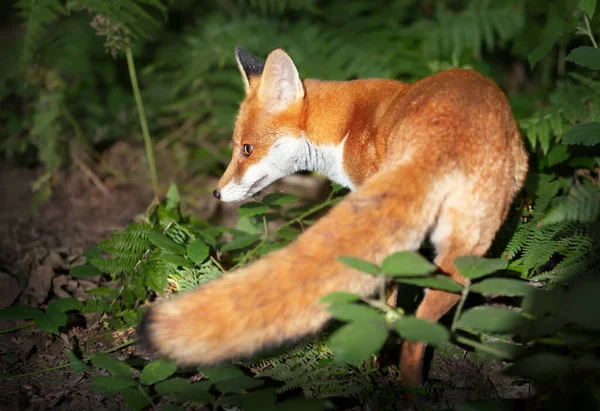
(37, 251)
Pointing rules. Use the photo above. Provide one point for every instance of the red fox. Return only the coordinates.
(441, 157)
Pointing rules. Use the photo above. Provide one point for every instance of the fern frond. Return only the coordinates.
(581, 204)
(36, 15)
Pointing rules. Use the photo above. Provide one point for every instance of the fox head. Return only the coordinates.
(268, 138)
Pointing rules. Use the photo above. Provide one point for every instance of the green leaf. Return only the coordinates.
(359, 264)
(557, 155)
(278, 199)
(170, 407)
(541, 366)
(354, 312)
(157, 370)
(77, 364)
(240, 242)
(135, 399)
(340, 297)
(492, 319)
(110, 384)
(224, 372)
(172, 386)
(486, 405)
(175, 259)
(51, 321)
(197, 392)
(357, 341)
(407, 263)
(585, 134)
(20, 313)
(500, 350)
(585, 56)
(303, 404)
(112, 365)
(238, 384)
(84, 271)
(164, 242)
(252, 209)
(503, 286)
(92, 252)
(197, 251)
(173, 197)
(65, 304)
(436, 282)
(259, 400)
(588, 7)
(550, 35)
(473, 267)
(415, 329)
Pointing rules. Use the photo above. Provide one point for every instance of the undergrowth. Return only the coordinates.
(539, 282)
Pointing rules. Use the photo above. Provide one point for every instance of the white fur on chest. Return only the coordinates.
(329, 161)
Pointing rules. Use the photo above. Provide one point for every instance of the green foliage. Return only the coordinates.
(74, 93)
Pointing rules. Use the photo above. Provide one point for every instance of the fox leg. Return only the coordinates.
(458, 232)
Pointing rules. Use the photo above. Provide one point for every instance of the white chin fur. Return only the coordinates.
(287, 156)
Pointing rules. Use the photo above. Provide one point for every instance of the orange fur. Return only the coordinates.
(440, 157)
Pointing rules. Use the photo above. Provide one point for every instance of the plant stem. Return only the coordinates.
(143, 122)
(589, 30)
(60, 367)
(461, 303)
(20, 327)
(480, 346)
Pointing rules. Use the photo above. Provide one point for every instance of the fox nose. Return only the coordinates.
(217, 194)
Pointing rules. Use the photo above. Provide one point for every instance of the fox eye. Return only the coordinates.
(248, 149)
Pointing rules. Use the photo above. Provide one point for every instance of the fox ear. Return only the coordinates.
(249, 66)
(280, 85)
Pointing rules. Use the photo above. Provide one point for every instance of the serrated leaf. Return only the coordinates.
(436, 282)
(224, 372)
(288, 233)
(416, 329)
(51, 321)
(503, 286)
(110, 384)
(252, 209)
(407, 263)
(359, 264)
(165, 243)
(198, 251)
(175, 259)
(240, 242)
(84, 271)
(588, 7)
(237, 384)
(357, 341)
(354, 312)
(585, 56)
(157, 370)
(172, 386)
(20, 313)
(585, 134)
(492, 320)
(77, 364)
(135, 399)
(65, 304)
(473, 267)
(340, 297)
(279, 199)
(112, 365)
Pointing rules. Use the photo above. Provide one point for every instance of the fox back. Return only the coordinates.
(441, 157)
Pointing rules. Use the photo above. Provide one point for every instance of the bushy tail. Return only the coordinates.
(275, 300)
